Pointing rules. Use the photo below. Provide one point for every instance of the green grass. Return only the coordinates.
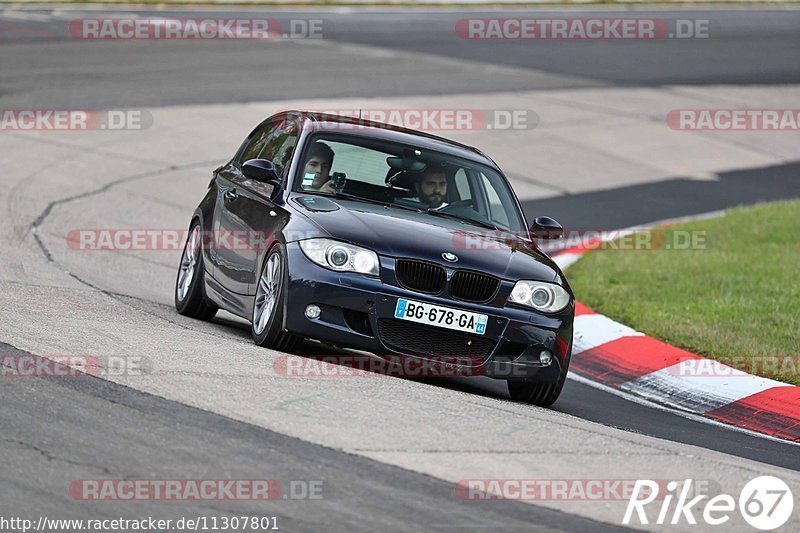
(736, 299)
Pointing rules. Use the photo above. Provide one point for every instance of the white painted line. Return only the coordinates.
(683, 414)
(565, 260)
(699, 393)
(593, 330)
(689, 390)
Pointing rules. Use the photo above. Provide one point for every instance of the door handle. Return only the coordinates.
(231, 194)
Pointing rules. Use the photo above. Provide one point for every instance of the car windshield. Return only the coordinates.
(359, 168)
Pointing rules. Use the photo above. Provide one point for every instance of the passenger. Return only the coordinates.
(316, 173)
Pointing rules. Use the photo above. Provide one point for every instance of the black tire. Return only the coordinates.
(273, 336)
(541, 394)
(192, 301)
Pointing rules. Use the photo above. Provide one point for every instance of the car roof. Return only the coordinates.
(327, 122)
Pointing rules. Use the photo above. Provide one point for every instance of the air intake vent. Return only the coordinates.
(418, 339)
(420, 276)
(473, 287)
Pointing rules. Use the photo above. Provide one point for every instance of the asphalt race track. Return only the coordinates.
(387, 451)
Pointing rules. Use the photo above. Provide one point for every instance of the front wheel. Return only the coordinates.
(270, 298)
(541, 394)
(189, 298)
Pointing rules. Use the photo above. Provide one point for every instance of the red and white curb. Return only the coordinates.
(619, 357)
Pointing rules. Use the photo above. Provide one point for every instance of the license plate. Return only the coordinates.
(443, 317)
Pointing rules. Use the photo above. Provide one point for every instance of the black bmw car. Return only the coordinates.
(369, 236)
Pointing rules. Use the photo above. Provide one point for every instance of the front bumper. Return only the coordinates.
(356, 308)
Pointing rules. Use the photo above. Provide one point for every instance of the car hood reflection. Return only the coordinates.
(403, 233)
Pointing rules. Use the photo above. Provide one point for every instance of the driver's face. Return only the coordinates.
(432, 189)
(320, 167)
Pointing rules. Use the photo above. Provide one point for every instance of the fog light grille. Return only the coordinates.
(418, 339)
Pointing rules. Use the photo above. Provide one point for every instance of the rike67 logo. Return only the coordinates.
(766, 503)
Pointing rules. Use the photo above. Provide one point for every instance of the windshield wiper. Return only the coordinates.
(467, 220)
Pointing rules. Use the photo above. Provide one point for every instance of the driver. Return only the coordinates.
(432, 188)
(316, 171)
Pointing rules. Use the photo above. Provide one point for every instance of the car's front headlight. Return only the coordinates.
(341, 256)
(545, 297)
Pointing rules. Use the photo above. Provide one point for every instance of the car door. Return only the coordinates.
(245, 218)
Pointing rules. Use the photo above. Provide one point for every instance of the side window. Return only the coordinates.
(257, 142)
(274, 143)
(497, 212)
(462, 185)
(279, 148)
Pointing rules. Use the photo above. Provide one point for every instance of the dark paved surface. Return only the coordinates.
(58, 430)
(590, 403)
(43, 66)
(678, 197)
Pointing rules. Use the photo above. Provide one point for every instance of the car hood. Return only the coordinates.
(402, 233)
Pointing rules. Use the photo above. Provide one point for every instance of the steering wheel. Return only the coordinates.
(458, 203)
(393, 177)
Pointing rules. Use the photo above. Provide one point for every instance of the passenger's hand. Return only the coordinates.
(328, 187)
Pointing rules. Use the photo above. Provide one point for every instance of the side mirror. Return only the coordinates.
(262, 170)
(546, 228)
